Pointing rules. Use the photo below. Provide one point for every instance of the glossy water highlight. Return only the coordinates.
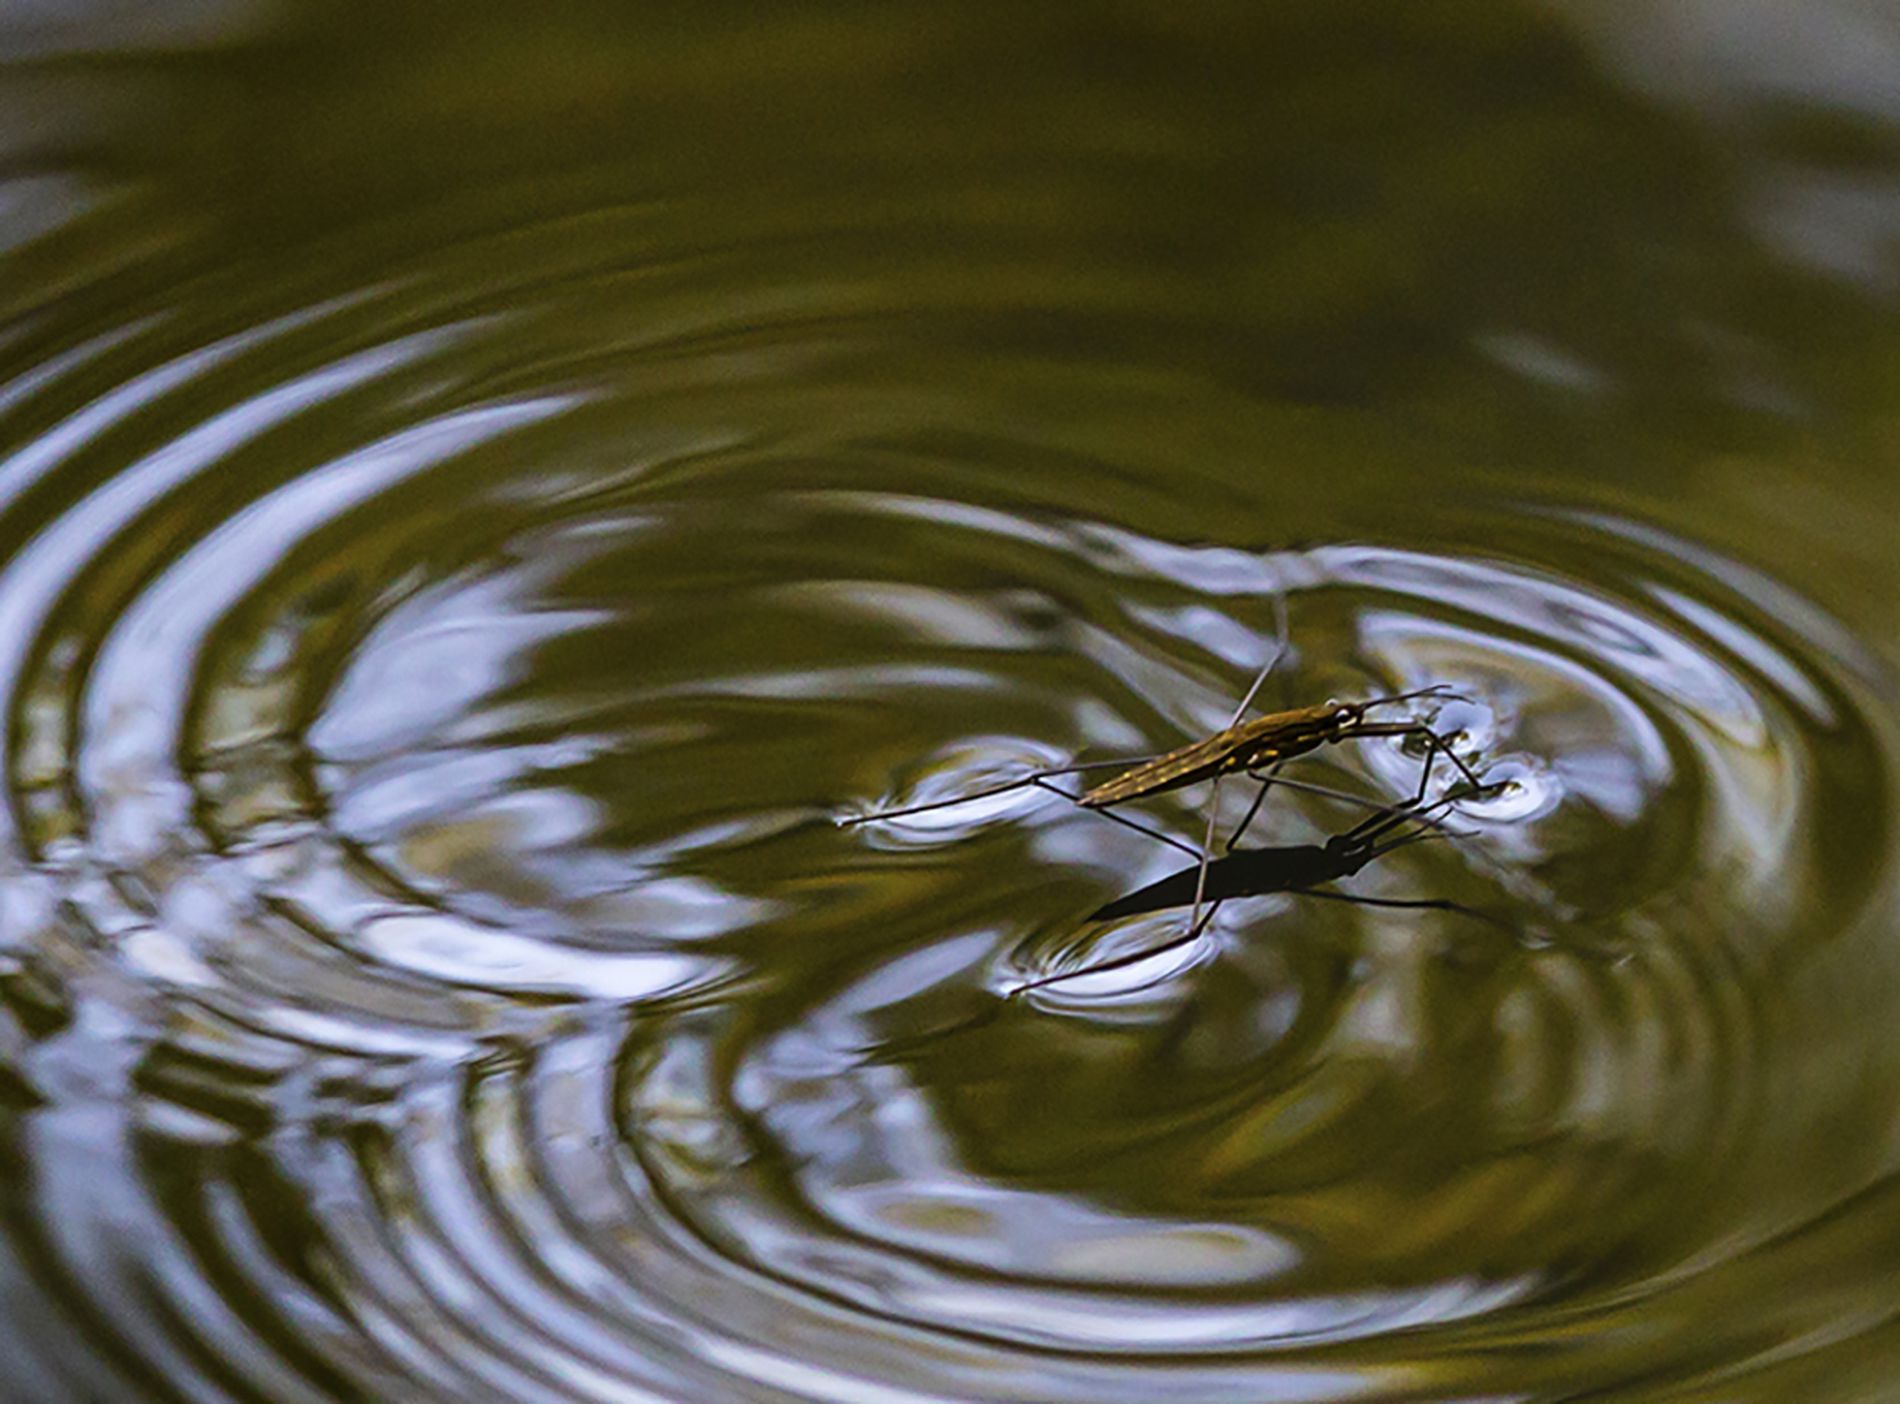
(457, 866)
(449, 591)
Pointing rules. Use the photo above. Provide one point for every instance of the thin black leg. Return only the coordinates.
(1123, 820)
(1435, 904)
(1119, 962)
(1022, 782)
(1281, 643)
(1266, 783)
(1207, 847)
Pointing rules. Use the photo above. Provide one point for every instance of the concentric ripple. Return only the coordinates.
(430, 966)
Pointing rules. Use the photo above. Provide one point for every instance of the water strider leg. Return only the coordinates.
(1112, 963)
(1207, 845)
(1367, 832)
(1266, 783)
(1281, 643)
(1381, 808)
(1435, 746)
(1197, 927)
(1194, 933)
(1124, 821)
(1021, 782)
(1435, 904)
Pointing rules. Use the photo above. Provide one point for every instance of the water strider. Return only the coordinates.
(473, 491)
(1257, 748)
(1239, 746)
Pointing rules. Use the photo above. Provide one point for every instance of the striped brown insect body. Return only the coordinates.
(1263, 741)
(1277, 736)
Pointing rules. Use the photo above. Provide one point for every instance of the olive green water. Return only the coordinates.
(483, 488)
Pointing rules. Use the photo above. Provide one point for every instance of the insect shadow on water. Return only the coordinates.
(1295, 869)
(1257, 747)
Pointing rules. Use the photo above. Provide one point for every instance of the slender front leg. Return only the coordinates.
(1279, 651)
(1435, 746)
(1425, 770)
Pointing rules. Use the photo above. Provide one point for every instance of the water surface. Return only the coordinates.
(482, 493)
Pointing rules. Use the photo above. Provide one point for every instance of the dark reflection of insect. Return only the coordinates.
(1297, 868)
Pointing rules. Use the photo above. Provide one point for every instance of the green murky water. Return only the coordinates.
(484, 488)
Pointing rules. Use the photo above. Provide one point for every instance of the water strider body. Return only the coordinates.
(1264, 741)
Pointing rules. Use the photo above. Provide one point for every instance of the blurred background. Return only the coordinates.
(484, 487)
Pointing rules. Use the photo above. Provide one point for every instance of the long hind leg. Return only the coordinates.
(1194, 932)
(1282, 641)
(1120, 962)
(1125, 821)
(1281, 644)
(1035, 777)
(1431, 904)
(1207, 846)
(1195, 924)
